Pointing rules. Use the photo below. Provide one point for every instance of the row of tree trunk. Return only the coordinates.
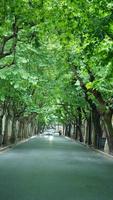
(13, 130)
(95, 130)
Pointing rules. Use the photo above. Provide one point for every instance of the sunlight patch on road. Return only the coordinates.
(50, 138)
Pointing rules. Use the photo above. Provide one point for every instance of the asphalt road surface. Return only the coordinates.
(55, 168)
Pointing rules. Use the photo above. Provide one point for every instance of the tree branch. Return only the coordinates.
(13, 36)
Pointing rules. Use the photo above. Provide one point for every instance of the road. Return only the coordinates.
(55, 168)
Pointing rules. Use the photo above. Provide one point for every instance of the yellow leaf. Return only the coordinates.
(89, 85)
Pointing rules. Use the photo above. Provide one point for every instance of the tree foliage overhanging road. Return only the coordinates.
(56, 64)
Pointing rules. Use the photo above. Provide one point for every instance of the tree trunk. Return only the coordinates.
(1, 136)
(1, 117)
(69, 129)
(63, 129)
(25, 131)
(97, 128)
(89, 124)
(20, 131)
(5, 136)
(109, 130)
(76, 131)
(78, 126)
(29, 129)
(14, 131)
(74, 128)
(66, 130)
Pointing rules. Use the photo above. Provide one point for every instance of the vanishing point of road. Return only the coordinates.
(55, 168)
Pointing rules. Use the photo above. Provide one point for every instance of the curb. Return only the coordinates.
(102, 152)
(5, 148)
(10, 146)
(92, 148)
(96, 150)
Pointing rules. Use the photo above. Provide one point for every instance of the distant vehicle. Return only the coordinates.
(48, 134)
